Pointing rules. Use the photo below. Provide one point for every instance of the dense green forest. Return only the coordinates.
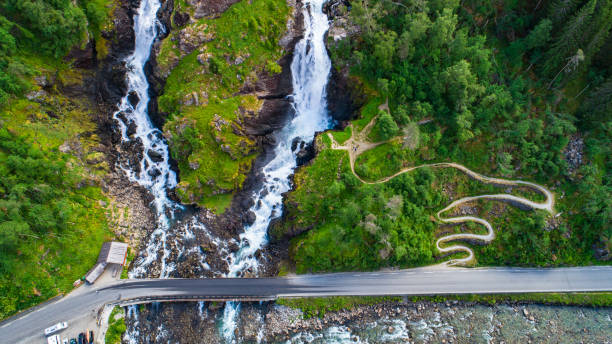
(52, 214)
(45, 29)
(501, 87)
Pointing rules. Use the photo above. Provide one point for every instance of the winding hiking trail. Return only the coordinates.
(358, 143)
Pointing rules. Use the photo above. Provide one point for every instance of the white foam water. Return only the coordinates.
(331, 335)
(154, 173)
(310, 70)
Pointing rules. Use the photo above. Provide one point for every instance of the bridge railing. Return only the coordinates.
(187, 298)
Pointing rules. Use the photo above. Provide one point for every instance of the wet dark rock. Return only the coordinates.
(83, 57)
(154, 172)
(295, 142)
(344, 97)
(155, 156)
(122, 116)
(249, 218)
(133, 98)
(180, 19)
(269, 140)
(131, 129)
(264, 192)
(305, 154)
(164, 14)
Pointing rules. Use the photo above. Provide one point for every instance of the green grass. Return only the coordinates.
(207, 139)
(342, 136)
(116, 327)
(318, 306)
(368, 111)
(565, 299)
(381, 161)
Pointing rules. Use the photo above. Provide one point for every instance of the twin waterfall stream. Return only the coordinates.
(310, 70)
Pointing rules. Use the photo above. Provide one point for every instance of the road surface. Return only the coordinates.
(423, 281)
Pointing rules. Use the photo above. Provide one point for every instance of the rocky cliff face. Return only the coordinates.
(105, 88)
(274, 112)
(185, 34)
(344, 97)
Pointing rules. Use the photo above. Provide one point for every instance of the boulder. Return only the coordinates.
(155, 156)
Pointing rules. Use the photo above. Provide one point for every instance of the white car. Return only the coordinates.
(54, 340)
(56, 328)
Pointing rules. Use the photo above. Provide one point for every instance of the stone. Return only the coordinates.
(390, 330)
(155, 156)
(133, 98)
(36, 95)
(194, 165)
(131, 129)
(154, 172)
(250, 217)
(203, 59)
(65, 147)
(42, 81)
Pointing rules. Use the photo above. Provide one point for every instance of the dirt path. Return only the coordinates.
(358, 144)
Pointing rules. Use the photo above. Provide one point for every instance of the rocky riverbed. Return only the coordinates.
(392, 322)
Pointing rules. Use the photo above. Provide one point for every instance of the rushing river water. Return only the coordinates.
(154, 168)
(310, 70)
(448, 323)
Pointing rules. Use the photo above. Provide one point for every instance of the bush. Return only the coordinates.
(385, 126)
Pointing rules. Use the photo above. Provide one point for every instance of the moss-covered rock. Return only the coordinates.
(219, 68)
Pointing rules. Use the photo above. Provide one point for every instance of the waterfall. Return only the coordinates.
(155, 173)
(310, 70)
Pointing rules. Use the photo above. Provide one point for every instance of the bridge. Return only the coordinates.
(28, 328)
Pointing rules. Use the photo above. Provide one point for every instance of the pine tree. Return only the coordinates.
(572, 38)
(560, 10)
(598, 105)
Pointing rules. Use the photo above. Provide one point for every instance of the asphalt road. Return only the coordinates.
(424, 281)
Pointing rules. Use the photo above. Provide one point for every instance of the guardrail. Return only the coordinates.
(187, 298)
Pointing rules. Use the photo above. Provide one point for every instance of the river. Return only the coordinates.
(310, 70)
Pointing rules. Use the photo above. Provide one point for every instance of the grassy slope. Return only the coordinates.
(116, 327)
(213, 152)
(318, 306)
(48, 265)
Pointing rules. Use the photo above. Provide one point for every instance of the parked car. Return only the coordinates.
(65, 341)
(55, 328)
(73, 341)
(55, 339)
(81, 338)
(90, 337)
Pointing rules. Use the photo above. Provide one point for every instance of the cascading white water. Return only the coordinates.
(155, 173)
(310, 70)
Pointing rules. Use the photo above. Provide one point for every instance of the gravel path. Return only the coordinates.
(358, 143)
